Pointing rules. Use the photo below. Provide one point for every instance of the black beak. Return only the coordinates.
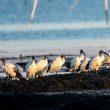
(81, 51)
(84, 53)
(106, 54)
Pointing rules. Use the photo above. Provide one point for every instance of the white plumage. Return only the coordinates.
(57, 64)
(42, 66)
(75, 63)
(84, 63)
(11, 70)
(97, 61)
(31, 69)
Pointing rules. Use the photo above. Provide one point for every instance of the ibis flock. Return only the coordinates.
(34, 69)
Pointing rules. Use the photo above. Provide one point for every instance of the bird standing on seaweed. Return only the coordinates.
(41, 66)
(75, 63)
(97, 61)
(31, 69)
(11, 70)
(57, 64)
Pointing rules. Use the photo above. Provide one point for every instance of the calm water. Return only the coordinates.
(53, 25)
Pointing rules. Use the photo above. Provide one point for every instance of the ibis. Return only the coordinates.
(41, 66)
(75, 63)
(31, 69)
(84, 65)
(56, 64)
(97, 61)
(11, 70)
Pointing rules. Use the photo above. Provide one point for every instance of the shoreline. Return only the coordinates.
(58, 83)
(66, 50)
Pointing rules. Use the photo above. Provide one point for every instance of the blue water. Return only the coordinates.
(17, 12)
(55, 35)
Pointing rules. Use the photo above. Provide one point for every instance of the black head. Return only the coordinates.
(33, 58)
(62, 56)
(82, 52)
(45, 57)
(102, 52)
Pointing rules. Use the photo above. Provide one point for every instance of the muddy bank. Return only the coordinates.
(57, 92)
(58, 83)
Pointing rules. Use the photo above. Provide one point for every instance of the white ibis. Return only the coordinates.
(75, 63)
(31, 69)
(84, 65)
(57, 64)
(11, 70)
(97, 61)
(42, 66)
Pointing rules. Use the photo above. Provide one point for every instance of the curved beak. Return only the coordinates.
(81, 51)
(106, 54)
(84, 53)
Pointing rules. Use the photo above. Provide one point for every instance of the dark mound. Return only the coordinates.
(18, 95)
(59, 83)
(54, 102)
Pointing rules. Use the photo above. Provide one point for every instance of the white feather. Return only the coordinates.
(57, 64)
(96, 62)
(31, 69)
(10, 69)
(84, 63)
(75, 63)
(42, 66)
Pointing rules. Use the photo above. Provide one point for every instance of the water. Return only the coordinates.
(53, 26)
(51, 11)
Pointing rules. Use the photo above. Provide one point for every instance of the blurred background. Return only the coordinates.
(65, 26)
